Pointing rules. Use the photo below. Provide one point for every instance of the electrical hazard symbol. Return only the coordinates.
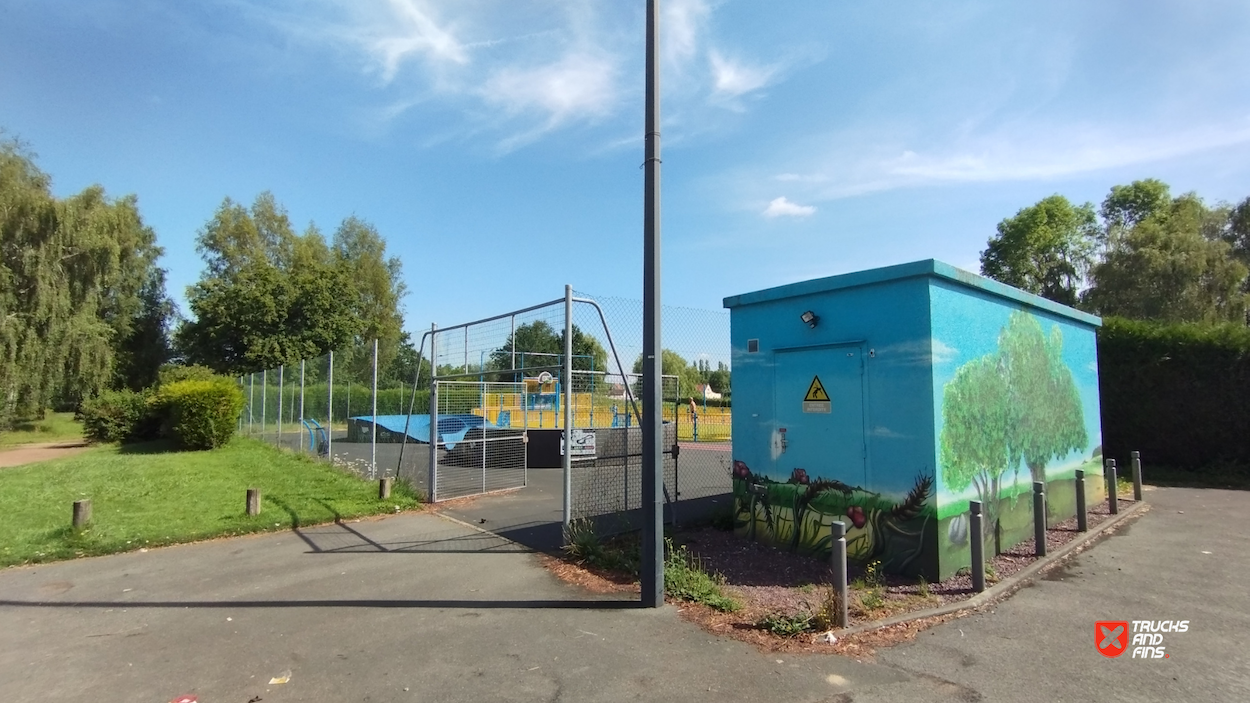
(817, 399)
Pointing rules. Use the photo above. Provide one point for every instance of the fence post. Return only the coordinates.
(1082, 519)
(1039, 518)
(373, 438)
(82, 513)
(281, 369)
(300, 429)
(567, 459)
(433, 470)
(251, 403)
(976, 537)
(330, 412)
(253, 501)
(1113, 488)
(384, 488)
(838, 565)
(264, 401)
(1136, 475)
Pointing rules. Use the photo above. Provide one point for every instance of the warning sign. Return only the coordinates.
(817, 400)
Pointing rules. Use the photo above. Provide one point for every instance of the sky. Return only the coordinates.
(497, 144)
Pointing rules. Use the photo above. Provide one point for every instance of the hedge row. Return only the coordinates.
(197, 413)
(1178, 393)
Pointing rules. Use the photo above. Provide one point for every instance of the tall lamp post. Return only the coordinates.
(652, 400)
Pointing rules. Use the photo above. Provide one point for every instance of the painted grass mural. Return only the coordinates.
(799, 513)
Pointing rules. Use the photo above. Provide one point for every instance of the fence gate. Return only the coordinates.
(480, 443)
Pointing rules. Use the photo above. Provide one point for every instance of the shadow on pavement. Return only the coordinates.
(326, 603)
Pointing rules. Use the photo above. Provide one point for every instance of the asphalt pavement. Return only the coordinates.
(420, 608)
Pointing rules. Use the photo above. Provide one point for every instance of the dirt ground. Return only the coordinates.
(31, 453)
(769, 581)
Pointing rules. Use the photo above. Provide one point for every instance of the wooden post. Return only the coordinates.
(253, 501)
(384, 488)
(82, 513)
(976, 533)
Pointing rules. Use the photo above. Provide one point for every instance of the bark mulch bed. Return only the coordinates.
(769, 581)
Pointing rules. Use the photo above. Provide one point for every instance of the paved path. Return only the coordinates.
(31, 453)
(363, 611)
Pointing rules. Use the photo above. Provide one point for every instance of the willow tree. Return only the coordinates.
(71, 276)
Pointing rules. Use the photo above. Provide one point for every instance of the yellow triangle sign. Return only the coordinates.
(816, 392)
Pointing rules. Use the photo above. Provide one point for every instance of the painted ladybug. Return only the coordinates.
(857, 516)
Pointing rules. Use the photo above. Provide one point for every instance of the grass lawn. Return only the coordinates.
(55, 427)
(146, 495)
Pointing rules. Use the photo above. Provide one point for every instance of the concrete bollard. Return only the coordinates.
(1082, 520)
(839, 571)
(1113, 488)
(976, 533)
(384, 489)
(82, 513)
(1136, 475)
(253, 501)
(1039, 518)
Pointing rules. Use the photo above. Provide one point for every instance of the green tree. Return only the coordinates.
(1046, 249)
(533, 339)
(673, 364)
(1174, 265)
(269, 296)
(72, 277)
(1126, 206)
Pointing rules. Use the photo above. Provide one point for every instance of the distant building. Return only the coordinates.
(705, 391)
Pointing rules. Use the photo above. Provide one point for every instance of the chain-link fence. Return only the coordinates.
(334, 407)
(503, 391)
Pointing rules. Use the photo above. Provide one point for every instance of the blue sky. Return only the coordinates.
(496, 143)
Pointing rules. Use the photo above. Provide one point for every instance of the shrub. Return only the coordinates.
(201, 414)
(120, 416)
(172, 374)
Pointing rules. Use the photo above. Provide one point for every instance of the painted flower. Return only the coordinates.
(856, 514)
(799, 476)
(740, 470)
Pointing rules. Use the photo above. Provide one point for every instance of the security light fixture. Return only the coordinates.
(809, 318)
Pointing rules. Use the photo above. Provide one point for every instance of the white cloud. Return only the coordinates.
(731, 79)
(579, 84)
(682, 25)
(943, 353)
(781, 207)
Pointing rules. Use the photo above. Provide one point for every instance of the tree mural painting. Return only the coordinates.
(1018, 405)
(1047, 421)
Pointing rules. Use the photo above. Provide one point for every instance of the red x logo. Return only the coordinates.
(1111, 637)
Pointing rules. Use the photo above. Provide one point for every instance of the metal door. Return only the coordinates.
(819, 405)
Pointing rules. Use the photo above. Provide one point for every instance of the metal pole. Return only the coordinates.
(976, 535)
(1136, 475)
(300, 429)
(1039, 518)
(373, 439)
(838, 558)
(1082, 519)
(652, 404)
(264, 401)
(330, 412)
(512, 336)
(433, 477)
(567, 459)
(251, 403)
(1113, 488)
(281, 373)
